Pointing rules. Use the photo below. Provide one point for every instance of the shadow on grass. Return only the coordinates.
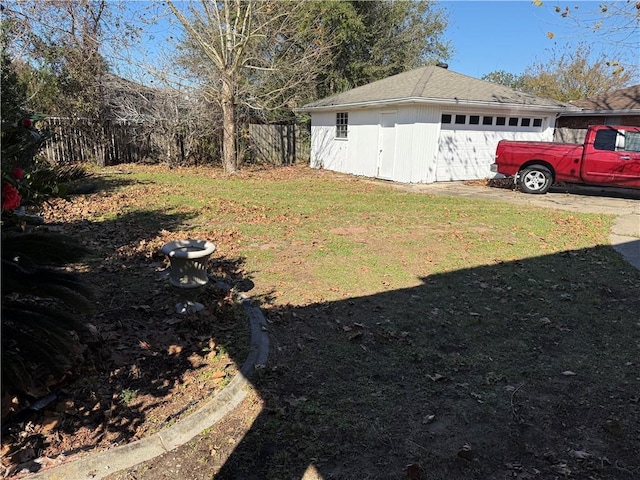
(99, 183)
(525, 369)
(139, 351)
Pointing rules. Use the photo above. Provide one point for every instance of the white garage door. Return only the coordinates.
(467, 143)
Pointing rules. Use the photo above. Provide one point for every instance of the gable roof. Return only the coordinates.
(433, 84)
(616, 101)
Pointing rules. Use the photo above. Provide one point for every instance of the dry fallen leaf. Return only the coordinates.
(50, 422)
(174, 350)
(413, 471)
(428, 419)
(355, 336)
(466, 452)
(173, 320)
(561, 468)
(581, 454)
(295, 401)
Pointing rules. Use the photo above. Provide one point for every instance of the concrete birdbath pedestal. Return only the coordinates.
(188, 269)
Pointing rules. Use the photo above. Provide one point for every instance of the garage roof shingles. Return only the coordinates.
(433, 84)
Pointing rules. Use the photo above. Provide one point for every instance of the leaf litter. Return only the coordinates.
(366, 407)
(164, 364)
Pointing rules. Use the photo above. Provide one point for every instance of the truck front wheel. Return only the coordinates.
(535, 179)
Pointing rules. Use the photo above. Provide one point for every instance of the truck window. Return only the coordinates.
(632, 141)
(605, 140)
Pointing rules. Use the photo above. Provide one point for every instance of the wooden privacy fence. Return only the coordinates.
(106, 143)
(279, 144)
(113, 143)
(569, 135)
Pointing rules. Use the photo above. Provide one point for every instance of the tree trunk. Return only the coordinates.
(229, 154)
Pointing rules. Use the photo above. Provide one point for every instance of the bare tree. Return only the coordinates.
(613, 24)
(249, 54)
(175, 126)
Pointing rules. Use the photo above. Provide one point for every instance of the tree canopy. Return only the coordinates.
(572, 75)
(255, 57)
(248, 54)
(507, 79)
(568, 75)
(56, 49)
(376, 39)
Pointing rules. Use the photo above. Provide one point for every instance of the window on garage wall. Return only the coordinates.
(342, 124)
(447, 119)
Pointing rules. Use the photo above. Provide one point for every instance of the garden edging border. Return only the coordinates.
(99, 465)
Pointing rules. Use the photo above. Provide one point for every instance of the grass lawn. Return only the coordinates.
(343, 236)
(412, 335)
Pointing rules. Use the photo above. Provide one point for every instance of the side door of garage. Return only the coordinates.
(386, 145)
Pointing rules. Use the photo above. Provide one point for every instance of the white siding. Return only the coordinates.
(425, 143)
(362, 154)
(466, 152)
(326, 151)
(423, 151)
(356, 154)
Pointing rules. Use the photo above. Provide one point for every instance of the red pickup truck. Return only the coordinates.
(610, 156)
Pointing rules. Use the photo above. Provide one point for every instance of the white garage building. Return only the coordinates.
(425, 125)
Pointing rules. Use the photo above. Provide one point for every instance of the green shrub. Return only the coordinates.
(43, 329)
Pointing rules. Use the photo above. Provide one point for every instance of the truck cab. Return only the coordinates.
(612, 156)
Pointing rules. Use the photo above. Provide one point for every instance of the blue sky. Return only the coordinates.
(512, 35)
(485, 35)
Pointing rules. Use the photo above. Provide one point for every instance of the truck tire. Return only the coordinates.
(535, 179)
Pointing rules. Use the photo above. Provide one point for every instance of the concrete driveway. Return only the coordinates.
(625, 203)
